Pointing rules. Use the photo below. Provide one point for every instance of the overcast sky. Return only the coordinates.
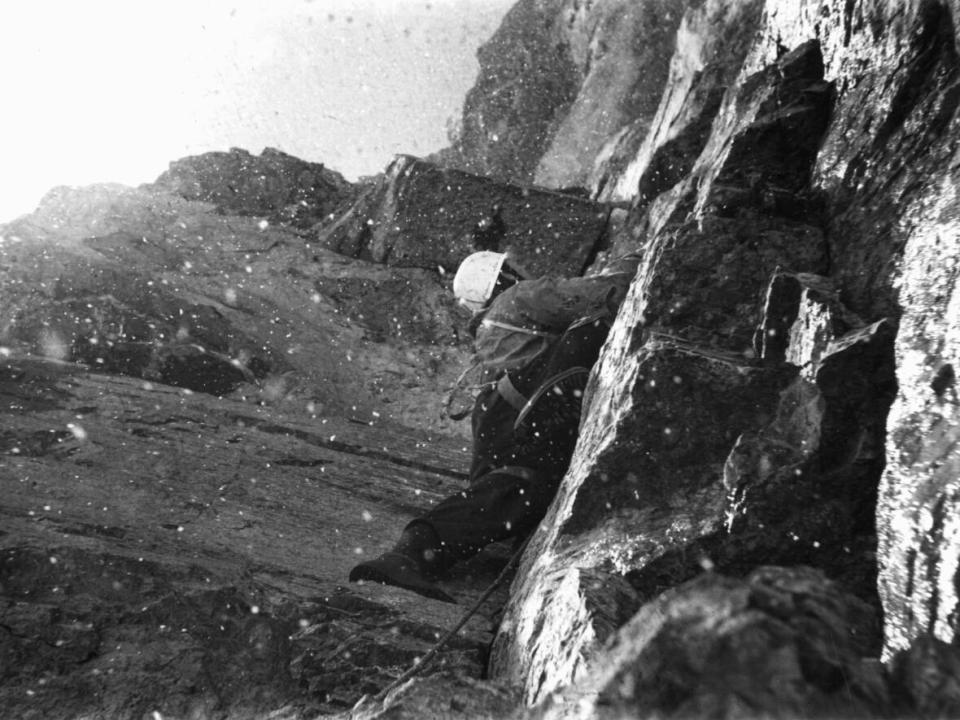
(113, 90)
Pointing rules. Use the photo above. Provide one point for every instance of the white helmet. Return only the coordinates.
(476, 277)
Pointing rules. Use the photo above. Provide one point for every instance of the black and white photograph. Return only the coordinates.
(479, 359)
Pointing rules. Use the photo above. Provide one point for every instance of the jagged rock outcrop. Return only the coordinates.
(273, 184)
(883, 168)
(781, 643)
(917, 512)
(146, 284)
(443, 694)
(668, 411)
(649, 157)
(421, 215)
(207, 418)
(556, 80)
(621, 50)
(779, 388)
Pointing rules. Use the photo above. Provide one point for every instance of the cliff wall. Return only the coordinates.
(808, 138)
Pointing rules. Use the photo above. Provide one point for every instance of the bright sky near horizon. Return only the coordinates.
(113, 90)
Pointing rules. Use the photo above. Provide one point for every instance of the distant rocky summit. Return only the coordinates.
(221, 389)
(272, 184)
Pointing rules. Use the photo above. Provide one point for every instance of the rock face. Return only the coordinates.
(419, 215)
(273, 184)
(669, 410)
(918, 495)
(621, 50)
(557, 80)
(526, 83)
(172, 553)
(883, 167)
(651, 156)
(147, 284)
(184, 388)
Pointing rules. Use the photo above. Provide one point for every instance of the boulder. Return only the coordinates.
(781, 643)
(556, 81)
(143, 283)
(421, 215)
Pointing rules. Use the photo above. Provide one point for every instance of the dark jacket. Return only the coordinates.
(522, 322)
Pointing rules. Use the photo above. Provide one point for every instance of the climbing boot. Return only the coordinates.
(408, 565)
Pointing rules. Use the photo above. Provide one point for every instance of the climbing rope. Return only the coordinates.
(432, 653)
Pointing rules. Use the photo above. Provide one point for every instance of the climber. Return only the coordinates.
(535, 342)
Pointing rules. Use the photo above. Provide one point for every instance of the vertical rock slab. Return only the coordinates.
(422, 215)
(525, 85)
(885, 164)
(674, 388)
(919, 506)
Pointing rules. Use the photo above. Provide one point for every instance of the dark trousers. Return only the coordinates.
(497, 506)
